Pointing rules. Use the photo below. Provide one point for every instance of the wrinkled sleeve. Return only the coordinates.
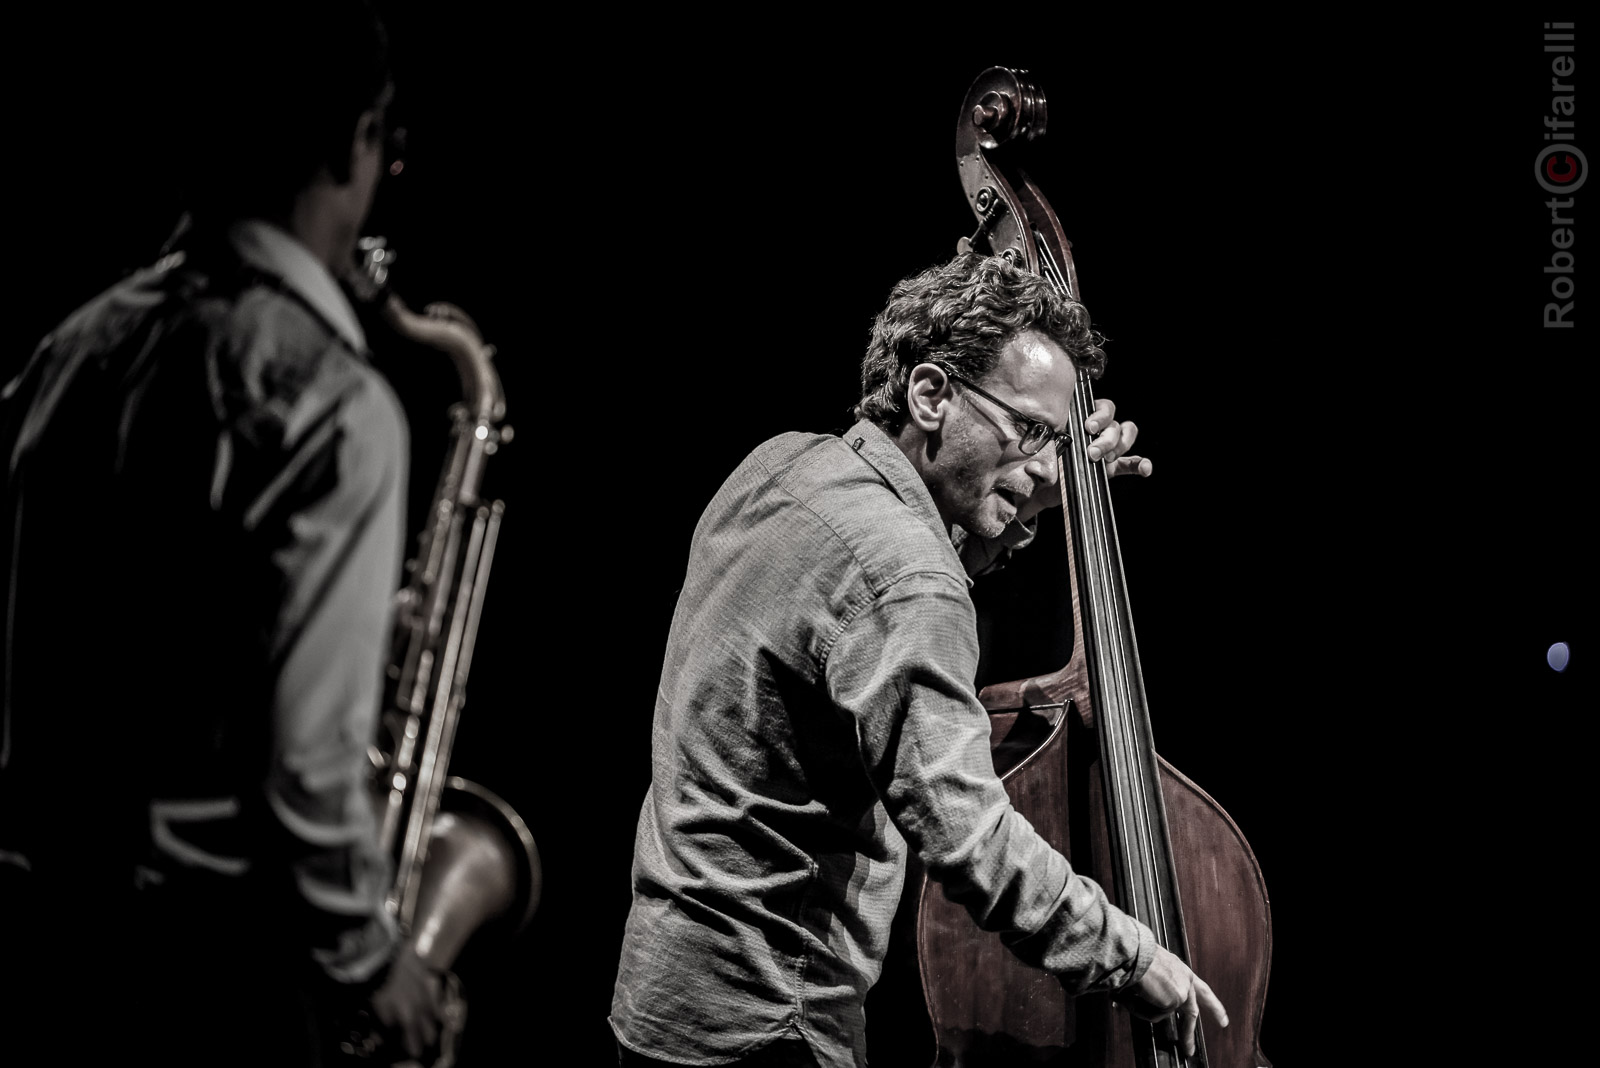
(902, 668)
(339, 567)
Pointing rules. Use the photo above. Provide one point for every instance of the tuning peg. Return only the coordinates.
(991, 113)
(988, 205)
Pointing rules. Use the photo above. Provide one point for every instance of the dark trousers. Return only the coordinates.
(88, 977)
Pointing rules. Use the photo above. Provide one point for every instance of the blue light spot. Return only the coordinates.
(1557, 656)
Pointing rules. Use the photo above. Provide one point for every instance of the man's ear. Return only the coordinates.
(928, 397)
(367, 137)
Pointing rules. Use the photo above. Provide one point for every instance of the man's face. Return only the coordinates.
(980, 478)
(366, 171)
(354, 199)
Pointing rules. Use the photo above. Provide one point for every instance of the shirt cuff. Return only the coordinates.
(362, 953)
(1133, 971)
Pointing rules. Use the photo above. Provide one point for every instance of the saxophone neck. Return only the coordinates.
(439, 326)
(448, 329)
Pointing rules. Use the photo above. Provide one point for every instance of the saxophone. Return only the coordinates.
(463, 858)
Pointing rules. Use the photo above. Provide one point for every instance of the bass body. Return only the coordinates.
(983, 1007)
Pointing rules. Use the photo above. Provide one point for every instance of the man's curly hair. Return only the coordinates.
(965, 310)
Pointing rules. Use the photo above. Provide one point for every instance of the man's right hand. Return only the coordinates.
(410, 1003)
(1169, 987)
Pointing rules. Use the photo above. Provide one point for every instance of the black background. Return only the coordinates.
(1317, 246)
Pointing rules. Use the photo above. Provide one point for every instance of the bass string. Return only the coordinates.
(1134, 750)
(1107, 594)
(1119, 718)
(1124, 771)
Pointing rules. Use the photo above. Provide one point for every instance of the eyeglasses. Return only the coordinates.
(1034, 434)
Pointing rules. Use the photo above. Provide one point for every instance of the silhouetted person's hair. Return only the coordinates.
(273, 93)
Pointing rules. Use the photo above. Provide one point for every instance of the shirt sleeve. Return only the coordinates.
(902, 668)
(338, 564)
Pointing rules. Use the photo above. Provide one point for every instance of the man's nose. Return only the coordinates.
(1043, 468)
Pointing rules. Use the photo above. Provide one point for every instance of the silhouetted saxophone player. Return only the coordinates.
(206, 486)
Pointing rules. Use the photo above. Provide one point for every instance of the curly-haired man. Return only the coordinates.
(816, 717)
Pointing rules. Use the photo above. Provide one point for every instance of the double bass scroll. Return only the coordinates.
(1075, 749)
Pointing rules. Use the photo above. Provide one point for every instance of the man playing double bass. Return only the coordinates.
(816, 717)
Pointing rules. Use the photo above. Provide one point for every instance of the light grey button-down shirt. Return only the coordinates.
(816, 718)
(207, 485)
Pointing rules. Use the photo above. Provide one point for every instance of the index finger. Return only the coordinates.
(1113, 441)
(1212, 1003)
(1105, 412)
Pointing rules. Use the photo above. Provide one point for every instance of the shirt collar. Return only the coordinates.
(268, 248)
(879, 450)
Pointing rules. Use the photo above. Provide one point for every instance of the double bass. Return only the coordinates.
(1075, 751)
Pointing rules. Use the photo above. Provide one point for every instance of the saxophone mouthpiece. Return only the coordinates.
(374, 257)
